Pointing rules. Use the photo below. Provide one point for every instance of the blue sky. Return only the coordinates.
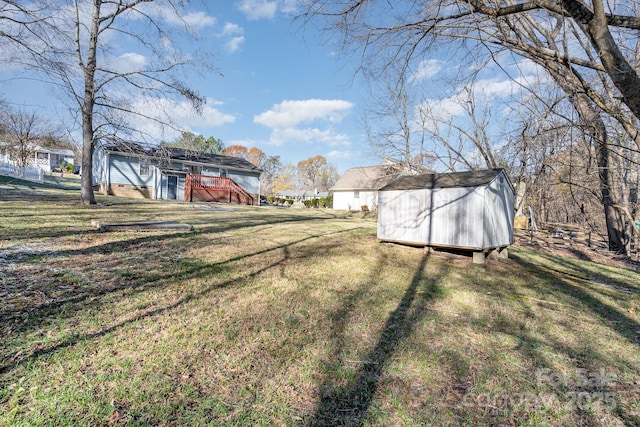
(279, 86)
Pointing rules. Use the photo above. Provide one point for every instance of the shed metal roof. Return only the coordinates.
(475, 178)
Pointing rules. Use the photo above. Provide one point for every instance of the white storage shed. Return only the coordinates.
(465, 210)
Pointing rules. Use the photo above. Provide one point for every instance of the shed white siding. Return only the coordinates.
(499, 205)
(469, 217)
(450, 217)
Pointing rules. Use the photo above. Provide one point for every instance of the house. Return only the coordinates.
(359, 186)
(300, 195)
(47, 159)
(465, 210)
(130, 169)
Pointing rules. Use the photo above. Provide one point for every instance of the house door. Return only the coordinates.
(172, 187)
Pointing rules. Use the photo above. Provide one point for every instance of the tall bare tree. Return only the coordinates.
(83, 57)
(22, 131)
(588, 52)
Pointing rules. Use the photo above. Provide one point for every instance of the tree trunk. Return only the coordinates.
(86, 182)
(596, 129)
(88, 103)
(596, 27)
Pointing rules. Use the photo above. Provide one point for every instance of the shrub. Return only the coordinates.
(327, 202)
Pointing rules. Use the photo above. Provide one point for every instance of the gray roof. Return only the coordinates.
(173, 153)
(53, 150)
(364, 178)
(301, 193)
(475, 178)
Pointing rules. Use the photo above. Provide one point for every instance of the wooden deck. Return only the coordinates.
(202, 188)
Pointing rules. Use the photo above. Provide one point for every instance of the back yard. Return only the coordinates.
(266, 315)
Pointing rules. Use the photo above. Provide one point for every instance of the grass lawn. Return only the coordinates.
(283, 316)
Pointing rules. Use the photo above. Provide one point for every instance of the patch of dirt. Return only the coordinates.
(574, 248)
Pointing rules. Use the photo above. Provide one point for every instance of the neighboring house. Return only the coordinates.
(465, 210)
(47, 159)
(129, 169)
(300, 195)
(358, 187)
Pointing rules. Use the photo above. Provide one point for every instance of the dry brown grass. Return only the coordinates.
(297, 317)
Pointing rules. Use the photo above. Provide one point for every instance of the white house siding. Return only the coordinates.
(451, 217)
(345, 200)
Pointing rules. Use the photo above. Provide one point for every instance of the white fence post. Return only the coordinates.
(33, 174)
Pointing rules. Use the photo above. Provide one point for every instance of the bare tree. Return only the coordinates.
(571, 40)
(23, 131)
(271, 167)
(393, 127)
(80, 57)
(466, 142)
(24, 26)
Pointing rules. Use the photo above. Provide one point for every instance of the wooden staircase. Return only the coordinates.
(205, 188)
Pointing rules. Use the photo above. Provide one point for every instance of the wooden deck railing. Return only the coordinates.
(215, 189)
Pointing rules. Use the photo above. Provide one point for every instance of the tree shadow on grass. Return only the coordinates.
(567, 349)
(618, 321)
(189, 269)
(349, 404)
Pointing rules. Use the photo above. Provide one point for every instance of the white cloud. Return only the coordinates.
(328, 137)
(335, 154)
(258, 9)
(234, 44)
(171, 16)
(235, 35)
(427, 69)
(198, 19)
(127, 62)
(231, 29)
(290, 6)
(285, 118)
(445, 108)
(180, 113)
(492, 88)
(292, 113)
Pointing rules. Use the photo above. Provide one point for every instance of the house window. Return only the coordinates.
(144, 167)
(356, 194)
(223, 173)
(42, 158)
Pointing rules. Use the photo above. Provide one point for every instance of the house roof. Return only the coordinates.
(364, 178)
(53, 150)
(173, 153)
(475, 178)
(301, 193)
